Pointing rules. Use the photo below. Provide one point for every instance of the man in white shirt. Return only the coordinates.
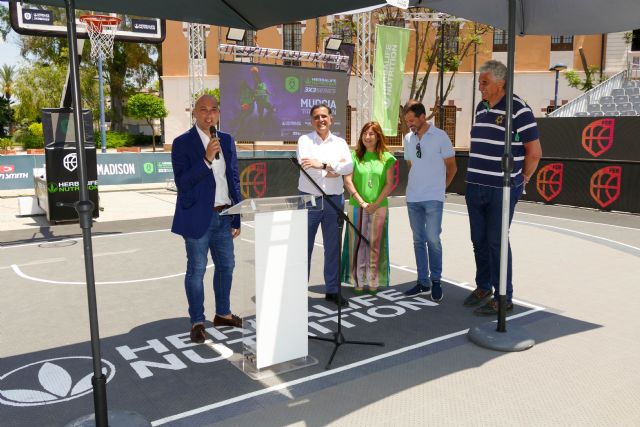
(325, 157)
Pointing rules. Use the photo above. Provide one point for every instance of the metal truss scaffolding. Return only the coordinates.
(340, 61)
(363, 70)
(196, 35)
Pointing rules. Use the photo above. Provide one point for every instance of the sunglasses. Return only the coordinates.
(418, 151)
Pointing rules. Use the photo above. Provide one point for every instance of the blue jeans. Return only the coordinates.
(219, 241)
(425, 219)
(327, 218)
(484, 205)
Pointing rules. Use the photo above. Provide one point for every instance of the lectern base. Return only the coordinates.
(247, 364)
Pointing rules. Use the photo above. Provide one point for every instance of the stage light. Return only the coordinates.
(236, 34)
(333, 44)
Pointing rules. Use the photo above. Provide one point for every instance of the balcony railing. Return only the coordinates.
(592, 96)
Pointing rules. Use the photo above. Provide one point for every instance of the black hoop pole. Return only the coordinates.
(85, 207)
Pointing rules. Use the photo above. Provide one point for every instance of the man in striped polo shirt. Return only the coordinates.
(485, 180)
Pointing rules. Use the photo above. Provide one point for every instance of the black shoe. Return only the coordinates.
(234, 321)
(491, 308)
(476, 297)
(334, 299)
(436, 291)
(197, 333)
(418, 289)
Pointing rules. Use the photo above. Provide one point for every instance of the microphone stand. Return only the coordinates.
(338, 337)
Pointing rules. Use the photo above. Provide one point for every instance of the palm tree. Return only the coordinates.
(7, 72)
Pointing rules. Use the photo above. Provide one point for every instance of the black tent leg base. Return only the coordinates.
(514, 339)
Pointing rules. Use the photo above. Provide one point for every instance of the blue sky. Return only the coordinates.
(9, 51)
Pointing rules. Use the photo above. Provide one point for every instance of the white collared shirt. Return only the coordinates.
(219, 168)
(333, 151)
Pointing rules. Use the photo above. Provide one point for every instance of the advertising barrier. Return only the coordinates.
(605, 185)
(61, 164)
(61, 182)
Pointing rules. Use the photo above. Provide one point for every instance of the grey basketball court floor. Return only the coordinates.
(576, 288)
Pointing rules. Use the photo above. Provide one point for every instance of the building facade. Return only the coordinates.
(533, 80)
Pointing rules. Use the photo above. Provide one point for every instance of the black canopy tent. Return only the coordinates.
(248, 14)
(525, 17)
(545, 17)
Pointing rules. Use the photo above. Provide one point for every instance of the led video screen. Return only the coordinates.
(272, 103)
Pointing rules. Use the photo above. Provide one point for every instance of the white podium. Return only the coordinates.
(276, 341)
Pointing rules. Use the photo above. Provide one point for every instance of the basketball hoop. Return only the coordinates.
(102, 30)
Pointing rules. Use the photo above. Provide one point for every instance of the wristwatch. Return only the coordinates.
(324, 166)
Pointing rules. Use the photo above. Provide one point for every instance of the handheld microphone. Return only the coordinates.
(214, 133)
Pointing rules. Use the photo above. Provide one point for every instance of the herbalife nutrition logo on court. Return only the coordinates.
(50, 381)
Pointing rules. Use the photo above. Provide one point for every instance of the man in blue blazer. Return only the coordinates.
(205, 167)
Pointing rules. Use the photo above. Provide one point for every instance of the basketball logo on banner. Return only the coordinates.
(549, 181)
(605, 185)
(597, 136)
(253, 177)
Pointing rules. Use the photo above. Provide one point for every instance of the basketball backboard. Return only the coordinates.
(50, 21)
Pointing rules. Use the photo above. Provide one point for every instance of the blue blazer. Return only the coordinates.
(196, 185)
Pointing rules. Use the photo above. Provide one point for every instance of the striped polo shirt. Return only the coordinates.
(487, 142)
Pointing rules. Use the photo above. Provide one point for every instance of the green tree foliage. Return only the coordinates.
(30, 136)
(117, 139)
(427, 38)
(37, 86)
(133, 67)
(206, 91)
(6, 116)
(147, 107)
(575, 80)
(130, 70)
(426, 34)
(5, 25)
(7, 75)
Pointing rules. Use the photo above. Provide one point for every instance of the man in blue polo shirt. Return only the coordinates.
(432, 166)
(485, 180)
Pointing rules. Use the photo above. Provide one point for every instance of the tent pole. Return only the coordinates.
(507, 167)
(487, 335)
(85, 207)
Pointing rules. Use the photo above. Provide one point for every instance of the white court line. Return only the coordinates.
(128, 251)
(42, 261)
(78, 239)
(19, 272)
(580, 233)
(580, 221)
(313, 377)
(466, 285)
(568, 230)
(549, 217)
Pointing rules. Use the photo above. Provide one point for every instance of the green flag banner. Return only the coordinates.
(391, 52)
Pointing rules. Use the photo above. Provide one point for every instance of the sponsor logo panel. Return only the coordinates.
(253, 180)
(549, 181)
(605, 185)
(597, 136)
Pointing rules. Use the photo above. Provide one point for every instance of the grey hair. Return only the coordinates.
(497, 69)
